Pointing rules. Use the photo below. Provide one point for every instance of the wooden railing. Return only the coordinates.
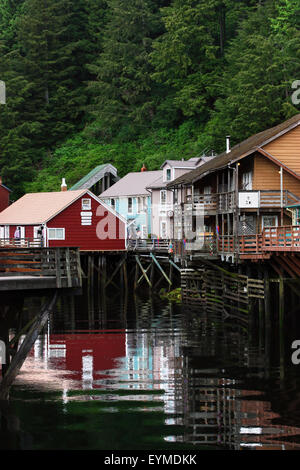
(149, 245)
(61, 263)
(281, 238)
(285, 238)
(226, 202)
(272, 198)
(221, 202)
(21, 242)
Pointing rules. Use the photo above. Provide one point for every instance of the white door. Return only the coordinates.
(22, 236)
(144, 232)
(163, 230)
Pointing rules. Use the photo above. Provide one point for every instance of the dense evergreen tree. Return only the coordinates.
(128, 81)
(123, 90)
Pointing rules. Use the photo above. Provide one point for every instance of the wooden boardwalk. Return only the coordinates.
(39, 268)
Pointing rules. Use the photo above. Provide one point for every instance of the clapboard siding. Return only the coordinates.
(266, 176)
(4, 198)
(287, 149)
(85, 236)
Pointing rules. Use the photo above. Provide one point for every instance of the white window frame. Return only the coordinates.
(86, 204)
(55, 237)
(130, 211)
(163, 191)
(139, 201)
(168, 171)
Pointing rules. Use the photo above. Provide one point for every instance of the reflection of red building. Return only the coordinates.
(87, 356)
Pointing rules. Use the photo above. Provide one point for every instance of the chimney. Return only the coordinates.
(64, 185)
(227, 143)
(143, 167)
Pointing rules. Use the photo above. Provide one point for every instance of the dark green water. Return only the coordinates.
(146, 374)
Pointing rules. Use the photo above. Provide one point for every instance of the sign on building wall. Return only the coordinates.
(248, 200)
(2, 93)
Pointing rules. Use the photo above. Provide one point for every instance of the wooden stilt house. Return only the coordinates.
(236, 205)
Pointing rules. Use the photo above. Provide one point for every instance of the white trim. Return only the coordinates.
(56, 228)
(128, 211)
(160, 198)
(166, 230)
(89, 205)
(108, 207)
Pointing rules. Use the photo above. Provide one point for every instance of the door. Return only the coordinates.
(163, 230)
(247, 181)
(22, 236)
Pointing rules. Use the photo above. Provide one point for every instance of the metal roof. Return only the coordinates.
(94, 176)
(133, 184)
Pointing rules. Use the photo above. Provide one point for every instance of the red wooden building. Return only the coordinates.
(4, 196)
(67, 218)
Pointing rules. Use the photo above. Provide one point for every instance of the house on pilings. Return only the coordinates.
(237, 206)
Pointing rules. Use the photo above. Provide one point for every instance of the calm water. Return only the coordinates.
(147, 374)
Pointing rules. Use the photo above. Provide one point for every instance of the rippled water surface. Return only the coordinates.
(147, 374)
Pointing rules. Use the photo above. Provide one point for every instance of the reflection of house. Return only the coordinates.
(130, 198)
(243, 191)
(87, 357)
(98, 180)
(4, 196)
(162, 202)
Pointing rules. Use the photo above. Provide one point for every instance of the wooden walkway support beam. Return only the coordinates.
(160, 268)
(25, 348)
(143, 271)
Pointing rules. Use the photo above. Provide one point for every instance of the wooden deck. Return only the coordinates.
(39, 268)
(272, 239)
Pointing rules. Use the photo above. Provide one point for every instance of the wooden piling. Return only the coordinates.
(24, 349)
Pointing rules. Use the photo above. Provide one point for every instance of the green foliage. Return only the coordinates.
(137, 81)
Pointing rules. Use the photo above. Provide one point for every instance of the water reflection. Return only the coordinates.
(168, 375)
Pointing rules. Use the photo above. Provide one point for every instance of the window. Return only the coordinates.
(207, 190)
(175, 196)
(56, 234)
(269, 221)
(86, 204)
(140, 205)
(113, 203)
(130, 205)
(163, 196)
(247, 181)
(168, 174)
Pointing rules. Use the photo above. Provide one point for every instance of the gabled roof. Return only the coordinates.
(5, 187)
(38, 208)
(191, 163)
(94, 176)
(239, 151)
(133, 184)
